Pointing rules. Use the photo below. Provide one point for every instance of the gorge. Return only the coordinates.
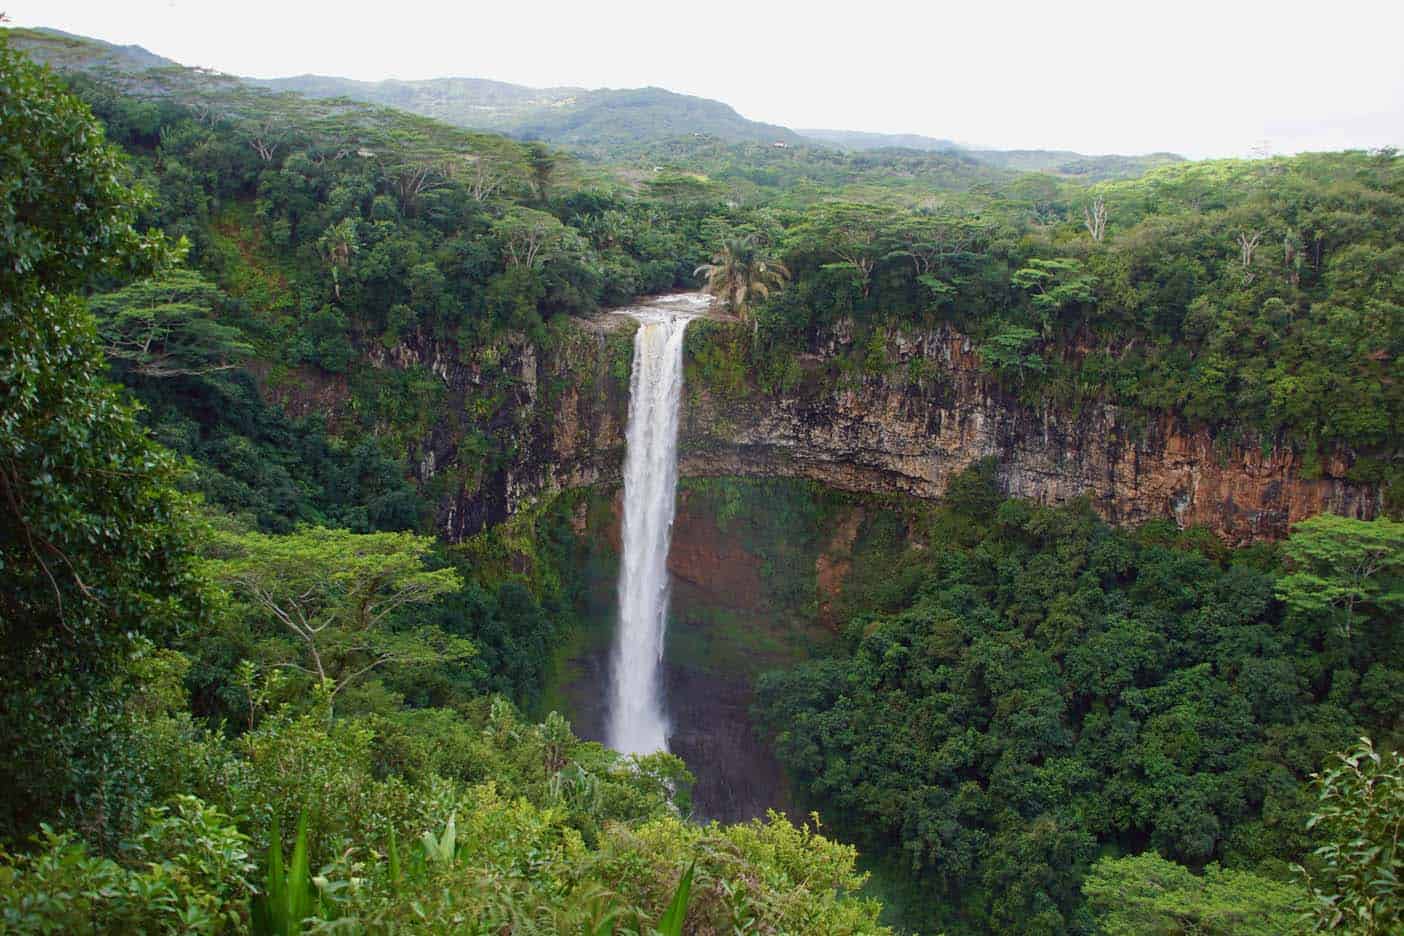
(1024, 534)
(905, 428)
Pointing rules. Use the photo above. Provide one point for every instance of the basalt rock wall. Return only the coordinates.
(893, 432)
(905, 427)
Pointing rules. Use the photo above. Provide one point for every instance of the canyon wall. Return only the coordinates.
(556, 415)
(883, 431)
(891, 433)
(760, 585)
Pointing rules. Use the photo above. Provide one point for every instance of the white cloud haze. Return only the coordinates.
(1199, 78)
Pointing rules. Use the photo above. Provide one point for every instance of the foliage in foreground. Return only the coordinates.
(187, 871)
(528, 830)
(1356, 882)
(94, 537)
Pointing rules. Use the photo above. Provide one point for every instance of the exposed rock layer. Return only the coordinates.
(717, 596)
(895, 433)
(566, 409)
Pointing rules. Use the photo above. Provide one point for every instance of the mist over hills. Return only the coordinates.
(605, 123)
(863, 140)
(566, 116)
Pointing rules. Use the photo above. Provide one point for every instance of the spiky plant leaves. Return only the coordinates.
(396, 878)
(671, 924)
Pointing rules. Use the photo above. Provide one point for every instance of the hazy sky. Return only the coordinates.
(1199, 78)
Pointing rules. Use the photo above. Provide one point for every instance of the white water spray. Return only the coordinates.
(637, 723)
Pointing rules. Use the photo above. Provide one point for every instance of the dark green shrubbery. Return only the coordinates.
(1034, 688)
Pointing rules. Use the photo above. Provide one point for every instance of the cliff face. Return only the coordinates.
(895, 433)
(906, 428)
(759, 582)
(727, 623)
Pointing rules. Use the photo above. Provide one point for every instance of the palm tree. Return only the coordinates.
(739, 273)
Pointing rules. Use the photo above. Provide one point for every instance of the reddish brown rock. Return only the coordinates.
(832, 565)
(879, 433)
(712, 562)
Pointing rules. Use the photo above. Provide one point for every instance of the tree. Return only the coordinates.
(530, 238)
(1247, 245)
(739, 272)
(485, 177)
(555, 741)
(543, 165)
(94, 536)
(1054, 285)
(926, 239)
(1008, 351)
(337, 245)
(855, 234)
(1094, 218)
(414, 177)
(1145, 895)
(1340, 565)
(337, 593)
(266, 137)
(165, 326)
(1359, 882)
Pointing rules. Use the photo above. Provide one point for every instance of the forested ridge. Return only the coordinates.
(1258, 297)
(227, 630)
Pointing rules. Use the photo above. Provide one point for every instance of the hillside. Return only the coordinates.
(64, 51)
(1064, 163)
(620, 124)
(624, 132)
(637, 125)
(571, 116)
(475, 102)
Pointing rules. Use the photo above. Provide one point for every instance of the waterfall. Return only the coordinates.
(637, 723)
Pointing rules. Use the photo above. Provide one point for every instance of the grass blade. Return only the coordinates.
(299, 879)
(672, 922)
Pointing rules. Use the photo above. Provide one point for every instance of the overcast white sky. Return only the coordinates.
(1194, 77)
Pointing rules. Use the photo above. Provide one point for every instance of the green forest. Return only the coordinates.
(251, 684)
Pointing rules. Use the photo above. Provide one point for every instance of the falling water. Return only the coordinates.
(637, 724)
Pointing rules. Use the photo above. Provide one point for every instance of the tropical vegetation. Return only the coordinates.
(279, 347)
(739, 274)
(462, 818)
(1028, 695)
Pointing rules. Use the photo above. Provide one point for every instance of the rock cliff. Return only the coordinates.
(883, 430)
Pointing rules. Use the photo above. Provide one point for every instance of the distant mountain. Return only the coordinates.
(65, 51)
(1055, 162)
(859, 140)
(606, 117)
(614, 125)
(578, 117)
